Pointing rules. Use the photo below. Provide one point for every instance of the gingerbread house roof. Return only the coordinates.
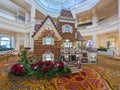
(66, 13)
(38, 26)
(79, 36)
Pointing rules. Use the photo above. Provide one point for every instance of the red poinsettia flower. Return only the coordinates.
(47, 62)
(37, 64)
(52, 65)
(17, 69)
(61, 64)
(44, 69)
(54, 62)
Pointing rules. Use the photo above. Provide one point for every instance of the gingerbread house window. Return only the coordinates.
(48, 56)
(67, 28)
(67, 43)
(48, 40)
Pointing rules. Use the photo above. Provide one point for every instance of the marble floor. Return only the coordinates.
(104, 75)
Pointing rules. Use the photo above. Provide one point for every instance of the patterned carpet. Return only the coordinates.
(101, 76)
(109, 70)
(87, 79)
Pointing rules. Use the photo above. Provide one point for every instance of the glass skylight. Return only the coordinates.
(57, 5)
(60, 0)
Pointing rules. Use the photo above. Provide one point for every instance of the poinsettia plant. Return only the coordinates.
(17, 69)
(39, 69)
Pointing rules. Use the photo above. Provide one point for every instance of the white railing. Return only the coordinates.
(7, 15)
(108, 20)
(10, 16)
(104, 22)
(85, 27)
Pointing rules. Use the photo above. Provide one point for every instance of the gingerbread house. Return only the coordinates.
(57, 40)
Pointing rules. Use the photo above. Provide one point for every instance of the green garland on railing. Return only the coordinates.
(5, 49)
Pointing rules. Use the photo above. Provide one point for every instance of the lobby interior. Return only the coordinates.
(61, 31)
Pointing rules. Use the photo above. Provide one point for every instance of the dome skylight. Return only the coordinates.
(55, 6)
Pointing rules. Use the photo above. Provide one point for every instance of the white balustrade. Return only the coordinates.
(104, 26)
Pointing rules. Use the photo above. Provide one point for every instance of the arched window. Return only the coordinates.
(48, 56)
(67, 28)
(5, 42)
(48, 40)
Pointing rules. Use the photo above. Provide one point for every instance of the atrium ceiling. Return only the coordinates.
(103, 8)
(57, 5)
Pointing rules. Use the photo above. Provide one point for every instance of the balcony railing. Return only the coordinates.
(7, 15)
(12, 17)
(104, 22)
(85, 27)
(108, 20)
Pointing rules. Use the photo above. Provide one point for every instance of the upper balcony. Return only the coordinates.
(13, 22)
(103, 26)
(10, 16)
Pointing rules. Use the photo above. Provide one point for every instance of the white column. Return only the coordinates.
(94, 23)
(94, 18)
(33, 11)
(31, 41)
(27, 17)
(26, 40)
(17, 43)
(94, 38)
(119, 24)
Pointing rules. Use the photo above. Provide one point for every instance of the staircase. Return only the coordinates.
(74, 68)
